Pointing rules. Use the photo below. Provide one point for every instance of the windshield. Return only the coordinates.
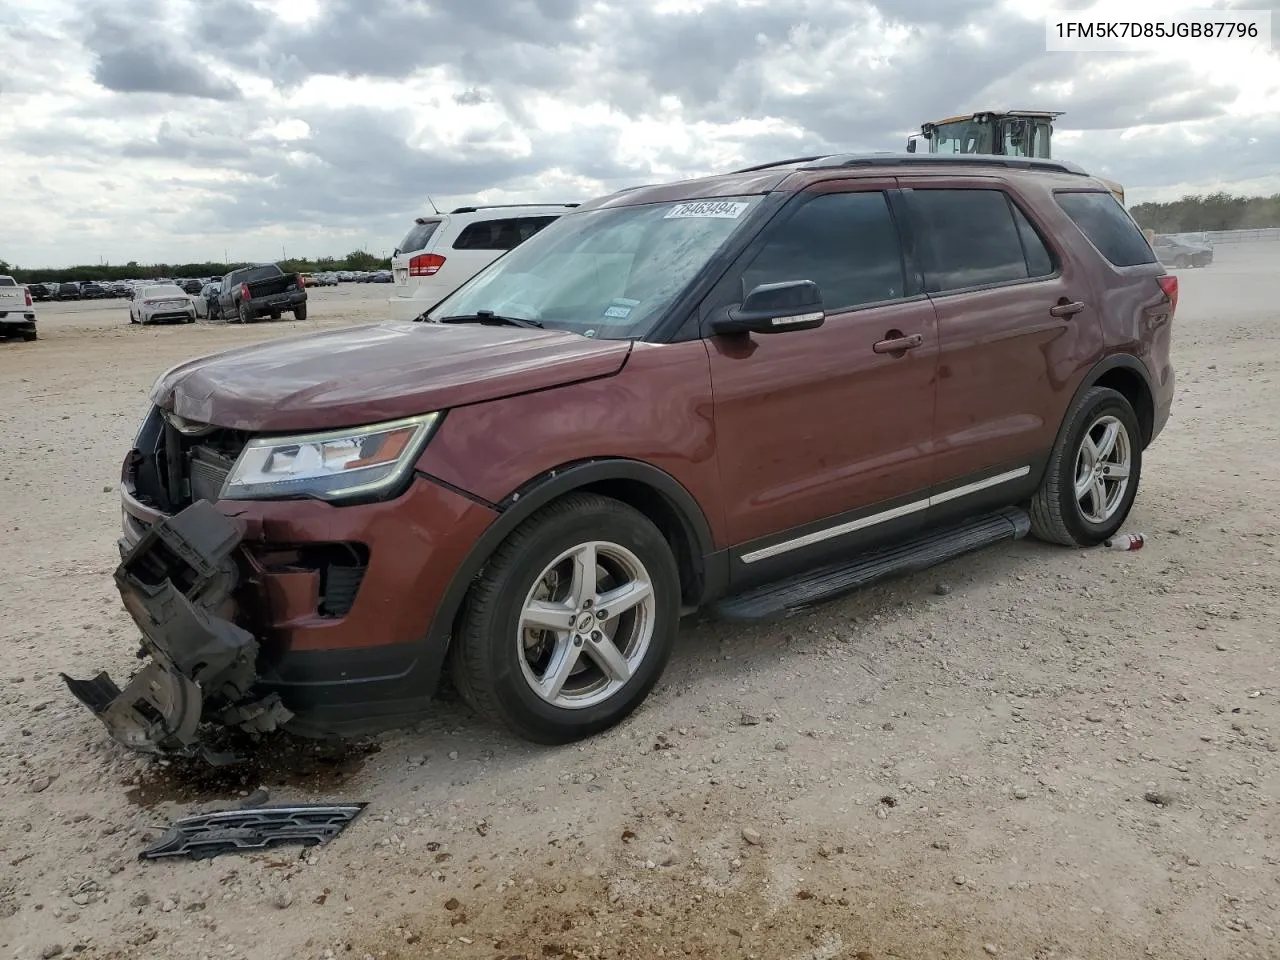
(961, 136)
(607, 273)
(417, 237)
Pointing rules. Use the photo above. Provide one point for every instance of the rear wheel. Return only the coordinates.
(571, 623)
(29, 335)
(300, 312)
(243, 313)
(1093, 473)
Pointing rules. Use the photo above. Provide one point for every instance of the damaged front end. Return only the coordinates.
(176, 583)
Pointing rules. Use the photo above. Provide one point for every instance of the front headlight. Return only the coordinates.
(334, 465)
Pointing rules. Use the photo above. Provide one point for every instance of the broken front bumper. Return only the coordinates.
(176, 583)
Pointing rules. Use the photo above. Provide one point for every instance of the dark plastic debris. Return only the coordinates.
(256, 828)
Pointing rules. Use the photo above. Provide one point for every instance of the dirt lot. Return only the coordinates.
(1028, 753)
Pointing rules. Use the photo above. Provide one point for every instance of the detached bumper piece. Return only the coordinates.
(174, 582)
(241, 831)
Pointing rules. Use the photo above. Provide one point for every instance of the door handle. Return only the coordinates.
(1066, 308)
(897, 343)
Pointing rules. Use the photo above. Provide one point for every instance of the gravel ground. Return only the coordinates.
(1030, 752)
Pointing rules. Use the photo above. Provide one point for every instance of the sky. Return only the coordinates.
(190, 130)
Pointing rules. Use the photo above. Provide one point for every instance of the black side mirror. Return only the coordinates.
(911, 144)
(774, 308)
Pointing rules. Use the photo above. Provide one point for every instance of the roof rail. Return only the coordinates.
(779, 163)
(507, 206)
(960, 159)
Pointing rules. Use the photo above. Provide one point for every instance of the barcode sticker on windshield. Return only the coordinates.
(720, 209)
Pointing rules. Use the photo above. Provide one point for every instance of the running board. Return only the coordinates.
(785, 597)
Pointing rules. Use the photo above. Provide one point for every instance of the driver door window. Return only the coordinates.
(846, 243)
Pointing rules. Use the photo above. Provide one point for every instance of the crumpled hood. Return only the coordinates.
(359, 375)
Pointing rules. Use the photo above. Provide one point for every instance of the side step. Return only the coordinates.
(779, 599)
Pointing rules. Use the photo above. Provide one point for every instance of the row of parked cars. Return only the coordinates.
(333, 278)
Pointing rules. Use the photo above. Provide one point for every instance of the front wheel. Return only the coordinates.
(1093, 473)
(571, 623)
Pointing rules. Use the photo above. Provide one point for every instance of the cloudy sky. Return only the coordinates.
(175, 130)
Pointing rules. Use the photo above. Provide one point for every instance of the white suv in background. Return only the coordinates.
(444, 250)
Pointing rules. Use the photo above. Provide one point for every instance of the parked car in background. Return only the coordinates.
(745, 394)
(1176, 251)
(93, 291)
(40, 292)
(326, 279)
(207, 295)
(442, 251)
(17, 313)
(68, 291)
(162, 303)
(263, 290)
(192, 286)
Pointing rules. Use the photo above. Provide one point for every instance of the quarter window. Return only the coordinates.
(846, 243)
(974, 238)
(1108, 227)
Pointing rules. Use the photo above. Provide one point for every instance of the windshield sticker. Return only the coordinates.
(620, 308)
(719, 209)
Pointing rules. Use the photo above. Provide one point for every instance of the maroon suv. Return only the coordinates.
(744, 393)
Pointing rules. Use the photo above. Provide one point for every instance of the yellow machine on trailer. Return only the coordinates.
(1006, 133)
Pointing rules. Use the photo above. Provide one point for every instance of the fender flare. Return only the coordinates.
(535, 494)
(1104, 366)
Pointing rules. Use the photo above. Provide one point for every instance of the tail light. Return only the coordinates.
(1169, 285)
(301, 283)
(425, 265)
(244, 292)
(29, 300)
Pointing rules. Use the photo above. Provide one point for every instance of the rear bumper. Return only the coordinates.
(310, 669)
(17, 320)
(169, 316)
(281, 303)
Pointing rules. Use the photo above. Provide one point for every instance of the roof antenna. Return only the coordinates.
(433, 205)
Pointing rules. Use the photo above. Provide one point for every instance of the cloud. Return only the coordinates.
(156, 125)
(136, 54)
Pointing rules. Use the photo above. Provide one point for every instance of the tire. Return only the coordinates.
(243, 313)
(496, 662)
(300, 313)
(132, 318)
(29, 335)
(1057, 515)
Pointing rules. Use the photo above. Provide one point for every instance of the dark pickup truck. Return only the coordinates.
(259, 291)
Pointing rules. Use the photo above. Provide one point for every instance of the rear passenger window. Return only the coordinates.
(1101, 218)
(846, 243)
(499, 234)
(970, 239)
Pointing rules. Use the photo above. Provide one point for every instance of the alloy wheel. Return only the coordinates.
(586, 625)
(1103, 465)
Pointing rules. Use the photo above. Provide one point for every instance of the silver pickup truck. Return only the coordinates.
(17, 314)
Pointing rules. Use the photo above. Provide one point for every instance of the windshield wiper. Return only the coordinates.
(489, 317)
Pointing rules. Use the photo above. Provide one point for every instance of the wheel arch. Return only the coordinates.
(642, 486)
(1127, 375)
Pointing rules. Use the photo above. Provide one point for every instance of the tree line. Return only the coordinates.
(356, 260)
(1214, 211)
